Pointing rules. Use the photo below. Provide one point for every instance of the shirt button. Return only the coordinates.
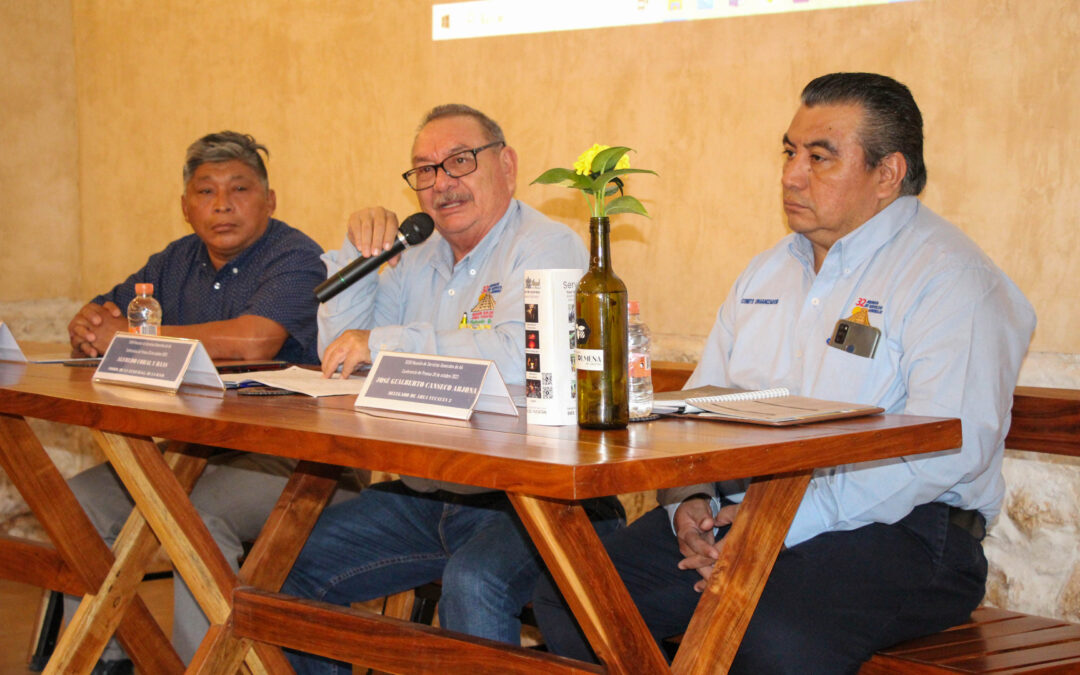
(815, 302)
(847, 271)
(235, 271)
(451, 291)
(472, 273)
(217, 285)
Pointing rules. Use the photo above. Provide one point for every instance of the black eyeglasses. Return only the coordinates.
(455, 166)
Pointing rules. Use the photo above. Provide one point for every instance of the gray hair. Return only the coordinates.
(891, 120)
(223, 147)
(491, 128)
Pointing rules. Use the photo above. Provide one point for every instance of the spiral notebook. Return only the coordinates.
(776, 406)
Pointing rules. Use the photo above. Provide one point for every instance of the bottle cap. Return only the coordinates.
(144, 289)
(634, 307)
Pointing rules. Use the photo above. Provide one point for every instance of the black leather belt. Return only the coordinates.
(972, 522)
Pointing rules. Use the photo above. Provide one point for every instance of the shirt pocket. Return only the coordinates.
(857, 379)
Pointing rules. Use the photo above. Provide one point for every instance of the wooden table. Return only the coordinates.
(545, 471)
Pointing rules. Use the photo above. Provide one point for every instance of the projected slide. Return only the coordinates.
(485, 18)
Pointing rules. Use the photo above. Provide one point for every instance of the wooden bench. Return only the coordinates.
(995, 640)
(998, 640)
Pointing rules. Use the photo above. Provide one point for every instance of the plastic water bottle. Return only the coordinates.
(641, 393)
(144, 312)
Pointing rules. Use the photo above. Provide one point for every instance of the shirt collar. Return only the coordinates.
(444, 256)
(859, 245)
(243, 256)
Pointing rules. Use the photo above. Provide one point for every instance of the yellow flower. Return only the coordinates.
(583, 165)
(603, 188)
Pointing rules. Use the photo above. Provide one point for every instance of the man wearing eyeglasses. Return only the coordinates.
(460, 293)
(464, 176)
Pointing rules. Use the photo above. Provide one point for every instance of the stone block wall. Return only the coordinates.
(1034, 545)
(71, 448)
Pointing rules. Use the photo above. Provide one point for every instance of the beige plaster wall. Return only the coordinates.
(40, 238)
(335, 88)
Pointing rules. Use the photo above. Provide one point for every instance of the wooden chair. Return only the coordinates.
(51, 618)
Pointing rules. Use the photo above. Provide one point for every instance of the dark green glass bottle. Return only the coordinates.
(603, 393)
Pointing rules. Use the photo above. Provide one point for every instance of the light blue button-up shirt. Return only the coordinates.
(954, 330)
(475, 308)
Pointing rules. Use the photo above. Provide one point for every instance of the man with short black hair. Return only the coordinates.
(878, 552)
(241, 282)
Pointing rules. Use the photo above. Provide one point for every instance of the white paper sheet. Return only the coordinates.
(300, 380)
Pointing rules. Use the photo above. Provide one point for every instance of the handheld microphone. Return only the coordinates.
(414, 230)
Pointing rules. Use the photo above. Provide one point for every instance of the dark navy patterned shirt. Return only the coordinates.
(275, 277)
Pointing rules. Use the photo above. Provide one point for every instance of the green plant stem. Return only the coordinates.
(592, 203)
(598, 203)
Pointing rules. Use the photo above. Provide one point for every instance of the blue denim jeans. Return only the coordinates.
(829, 603)
(390, 539)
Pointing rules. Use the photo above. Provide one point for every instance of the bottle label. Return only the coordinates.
(640, 365)
(590, 359)
(145, 329)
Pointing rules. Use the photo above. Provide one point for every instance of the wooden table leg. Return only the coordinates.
(581, 567)
(73, 535)
(99, 613)
(287, 528)
(747, 558)
(165, 505)
(271, 558)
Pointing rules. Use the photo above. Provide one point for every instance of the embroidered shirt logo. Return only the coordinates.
(759, 301)
(872, 306)
(483, 312)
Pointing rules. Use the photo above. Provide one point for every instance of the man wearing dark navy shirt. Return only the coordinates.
(243, 285)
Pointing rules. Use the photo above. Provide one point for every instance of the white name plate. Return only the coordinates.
(444, 386)
(9, 348)
(161, 363)
(11, 351)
